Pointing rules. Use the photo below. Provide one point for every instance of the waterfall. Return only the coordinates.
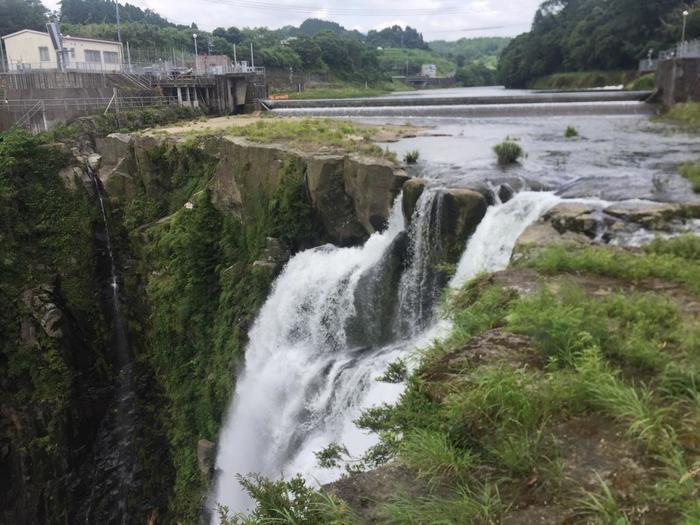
(420, 283)
(304, 380)
(491, 246)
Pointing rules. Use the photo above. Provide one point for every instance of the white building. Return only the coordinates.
(28, 49)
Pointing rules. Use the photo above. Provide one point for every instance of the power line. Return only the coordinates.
(340, 11)
(485, 28)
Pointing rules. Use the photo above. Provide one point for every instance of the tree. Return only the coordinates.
(22, 14)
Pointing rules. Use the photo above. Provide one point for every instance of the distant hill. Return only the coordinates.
(465, 50)
(582, 35)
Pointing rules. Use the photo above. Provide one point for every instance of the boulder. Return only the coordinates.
(94, 160)
(412, 191)
(652, 215)
(117, 181)
(113, 147)
(461, 212)
(574, 217)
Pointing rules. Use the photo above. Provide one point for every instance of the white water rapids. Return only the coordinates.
(303, 383)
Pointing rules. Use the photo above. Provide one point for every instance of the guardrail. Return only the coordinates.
(88, 104)
(158, 69)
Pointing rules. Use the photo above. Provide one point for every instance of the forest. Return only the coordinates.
(584, 35)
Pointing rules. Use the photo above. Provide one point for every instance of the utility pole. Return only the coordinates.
(194, 37)
(119, 31)
(685, 19)
(252, 57)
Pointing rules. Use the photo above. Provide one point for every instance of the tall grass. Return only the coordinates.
(508, 152)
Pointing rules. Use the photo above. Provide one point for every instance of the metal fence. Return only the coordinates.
(159, 69)
(86, 104)
(687, 49)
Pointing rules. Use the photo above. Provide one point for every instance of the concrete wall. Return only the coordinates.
(678, 80)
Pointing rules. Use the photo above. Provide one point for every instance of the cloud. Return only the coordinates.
(436, 19)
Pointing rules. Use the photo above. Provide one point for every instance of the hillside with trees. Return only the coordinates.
(584, 35)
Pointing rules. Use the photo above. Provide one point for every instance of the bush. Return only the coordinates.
(508, 152)
(571, 132)
(411, 157)
(691, 171)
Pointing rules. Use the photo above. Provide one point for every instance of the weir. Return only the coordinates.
(461, 100)
(305, 381)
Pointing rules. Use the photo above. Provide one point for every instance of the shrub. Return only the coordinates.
(571, 132)
(411, 157)
(691, 171)
(508, 152)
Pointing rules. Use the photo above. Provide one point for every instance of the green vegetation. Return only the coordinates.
(52, 332)
(581, 80)
(508, 152)
(22, 14)
(476, 74)
(585, 35)
(646, 82)
(686, 113)
(571, 132)
(409, 61)
(484, 50)
(622, 264)
(486, 433)
(288, 502)
(691, 171)
(201, 290)
(309, 134)
(411, 157)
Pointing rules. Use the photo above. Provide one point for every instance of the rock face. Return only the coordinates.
(351, 195)
(412, 191)
(462, 211)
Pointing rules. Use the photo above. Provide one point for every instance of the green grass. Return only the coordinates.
(311, 134)
(411, 157)
(508, 152)
(646, 82)
(628, 357)
(571, 132)
(581, 80)
(619, 263)
(686, 113)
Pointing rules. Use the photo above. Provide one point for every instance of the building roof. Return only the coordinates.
(65, 37)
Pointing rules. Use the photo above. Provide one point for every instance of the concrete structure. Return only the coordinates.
(213, 64)
(428, 70)
(678, 80)
(30, 50)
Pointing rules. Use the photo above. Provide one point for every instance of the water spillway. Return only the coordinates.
(307, 376)
(464, 100)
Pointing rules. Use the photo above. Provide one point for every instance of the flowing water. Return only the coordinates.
(304, 381)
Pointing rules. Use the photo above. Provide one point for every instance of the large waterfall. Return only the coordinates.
(307, 377)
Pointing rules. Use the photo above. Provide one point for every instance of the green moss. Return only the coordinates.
(203, 292)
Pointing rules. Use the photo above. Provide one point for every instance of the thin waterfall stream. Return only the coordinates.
(115, 455)
(308, 374)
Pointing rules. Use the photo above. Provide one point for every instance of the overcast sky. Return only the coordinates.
(436, 19)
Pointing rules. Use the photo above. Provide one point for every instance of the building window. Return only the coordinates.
(72, 52)
(110, 57)
(92, 56)
(44, 54)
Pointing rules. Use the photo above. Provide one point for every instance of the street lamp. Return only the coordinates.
(685, 18)
(194, 37)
